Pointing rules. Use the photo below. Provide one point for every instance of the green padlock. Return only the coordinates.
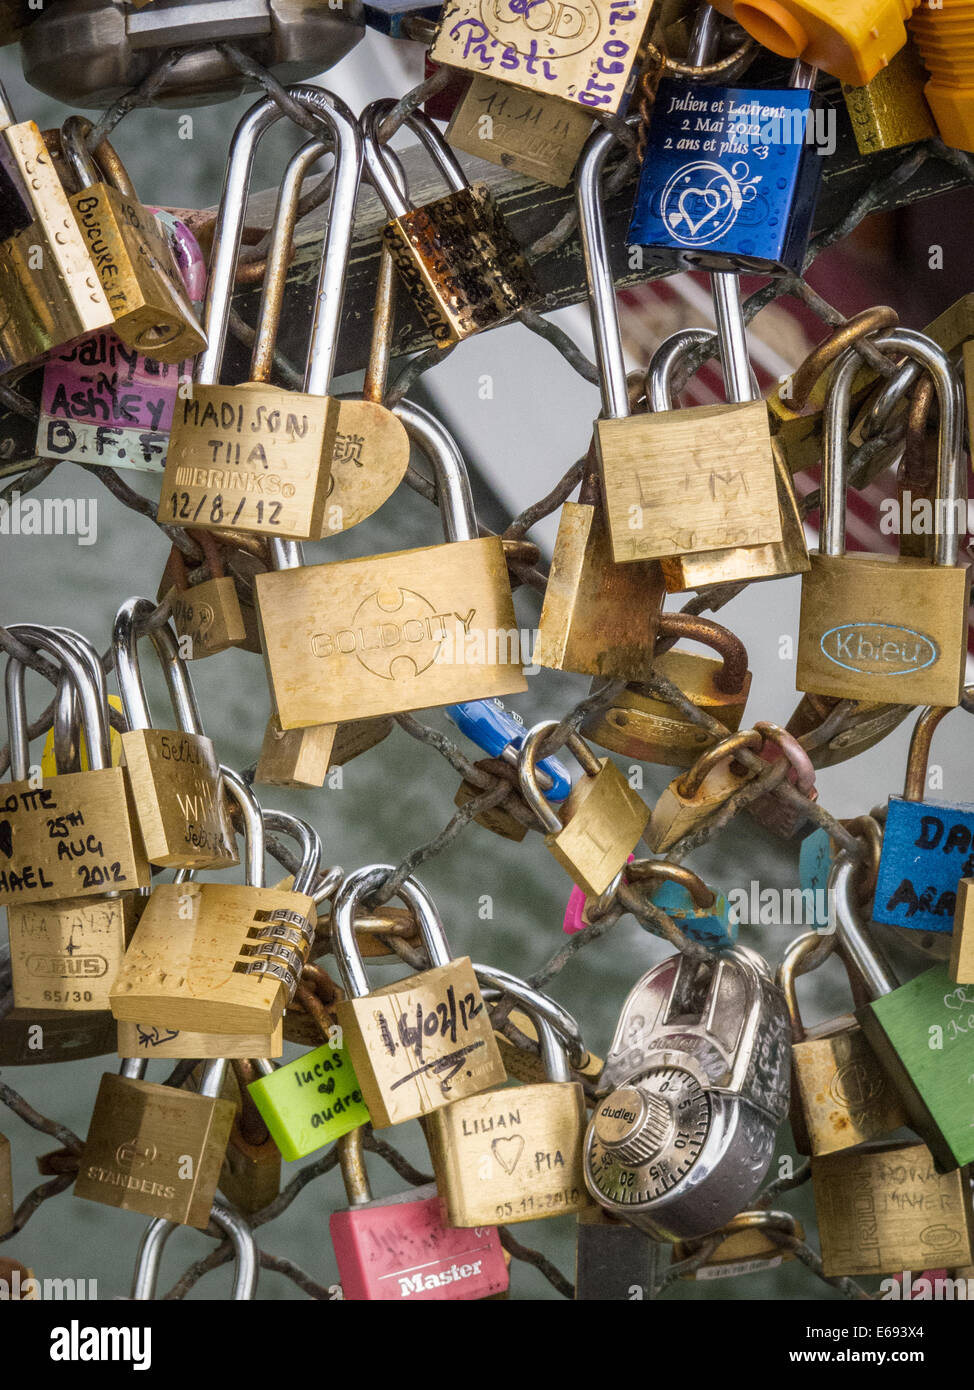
(921, 1033)
(311, 1101)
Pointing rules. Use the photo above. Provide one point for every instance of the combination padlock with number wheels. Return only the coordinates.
(222, 957)
(695, 1086)
(423, 1041)
(888, 627)
(174, 775)
(513, 1154)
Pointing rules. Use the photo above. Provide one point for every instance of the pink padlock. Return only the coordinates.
(577, 904)
(770, 810)
(103, 402)
(398, 1250)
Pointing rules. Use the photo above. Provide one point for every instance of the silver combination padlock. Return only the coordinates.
(88, 52)
(695, 1085)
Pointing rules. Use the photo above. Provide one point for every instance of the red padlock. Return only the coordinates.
(397, 1249)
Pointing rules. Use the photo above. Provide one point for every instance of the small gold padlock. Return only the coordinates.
(692, 799)
(207, 616)
(533, 133)
(514, 1154)
(423, 1041)
(747, 1245)
(599, 824)
(145, 292)
(891, 110)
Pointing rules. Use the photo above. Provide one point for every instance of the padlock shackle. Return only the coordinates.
(863, 952)
(919, 754)
(351, 1158)
(692, 780)
(807, 375)
(693, 627)
(337, 120)
(385, 172)
(246, 803)
(662, 871)
(357, 886)
(793, 751)
(134, 621)
(527, 770)
(740, 384)
(80, 661)
(453, 491)
(667, 358)
(308, 841)
(951, 489)
(158, 1231)
(67, 727)
(566, 1035)
(803, 955)
(108, 168)
(598, 273)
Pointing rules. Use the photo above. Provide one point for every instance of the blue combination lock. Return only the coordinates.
(500, 735)
(730, 178)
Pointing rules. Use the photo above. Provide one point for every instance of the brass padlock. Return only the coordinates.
(692, 799)
(883, 1208)
(891, 110)
(513, 1154)
(840, 1094)
(423, 1041)
(877, 627)
(49, 285)
(743, 563)
(252, 457)
(754, 1241)
(370, 447)
(456, 256)
(640, 724)
(207, 616)
(251, 1173)
(220, 957)
(401, 631)
(865, 725)
(597, 826)
(88, 814)
(139, 1139)
(533, 133)
(138, 272)
(173, 775)
(598, 617)
(679, 482)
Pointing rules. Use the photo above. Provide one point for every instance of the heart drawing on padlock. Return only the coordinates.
(694, 197)
(6, 838)
(508, 1151)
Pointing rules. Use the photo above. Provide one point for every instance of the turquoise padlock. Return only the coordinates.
(311, 1101)
(696, 909)
(814, 866)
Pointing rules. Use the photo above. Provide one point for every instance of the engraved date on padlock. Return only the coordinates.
(422, 1029)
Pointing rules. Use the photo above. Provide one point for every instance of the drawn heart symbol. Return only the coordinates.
(956, 1000)
(694, 197)
(6, 838)
(512, 1147)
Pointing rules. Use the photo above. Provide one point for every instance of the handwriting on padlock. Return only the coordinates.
(447, 1019)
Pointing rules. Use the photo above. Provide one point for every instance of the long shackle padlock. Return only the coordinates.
(877, 627)
(666, 496)
(174, 775)
(246, 1260)
(774, 559)
(289, 477)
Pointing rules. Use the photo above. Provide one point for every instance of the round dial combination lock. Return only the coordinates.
(646, 1136)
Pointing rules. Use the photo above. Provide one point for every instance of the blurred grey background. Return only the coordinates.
(517, 442)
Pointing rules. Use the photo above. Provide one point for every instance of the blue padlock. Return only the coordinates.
(500, 735)
(814, 866)
(696, 909)
(730, 178)
(928, 846)
(387, 16)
